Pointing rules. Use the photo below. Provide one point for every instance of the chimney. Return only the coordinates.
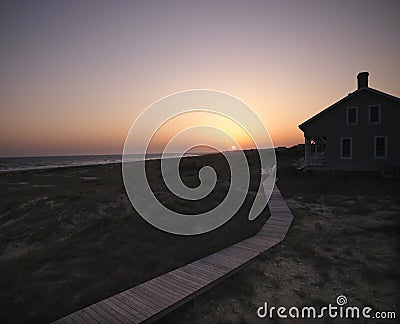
(362, 79)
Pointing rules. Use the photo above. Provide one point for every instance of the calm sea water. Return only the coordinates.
(49, 162)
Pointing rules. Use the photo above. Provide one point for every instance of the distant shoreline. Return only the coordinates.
(48, 162)
(17, 164)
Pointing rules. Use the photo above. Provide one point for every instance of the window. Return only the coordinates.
(380, 147)
(352, 116)
(375, 114)
(346, 148)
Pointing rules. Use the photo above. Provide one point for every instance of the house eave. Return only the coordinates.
(350, 95)
(322, 112)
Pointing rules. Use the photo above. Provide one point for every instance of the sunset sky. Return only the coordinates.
(74, 75)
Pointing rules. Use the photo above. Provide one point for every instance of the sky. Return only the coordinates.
(74, 75)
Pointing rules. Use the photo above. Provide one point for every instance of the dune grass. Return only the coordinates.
(343, 240)
(70, 237)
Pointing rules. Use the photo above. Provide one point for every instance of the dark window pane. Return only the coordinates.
(380, 146)
(352, 115)
(346, 148)
(374, 114)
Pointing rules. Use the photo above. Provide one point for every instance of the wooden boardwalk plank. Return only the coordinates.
(138, 304)
(163, 298)
(116, 311)
(133, 306)
(91, 313)
(210, 266)
(204, 272)
(183, 280)
(85, 317)
(106, 313)
(147, 293)
(159, 296)
(191, 277)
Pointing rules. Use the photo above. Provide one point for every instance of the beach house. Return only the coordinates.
(360, 132)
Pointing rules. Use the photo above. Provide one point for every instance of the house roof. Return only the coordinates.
(350, 95)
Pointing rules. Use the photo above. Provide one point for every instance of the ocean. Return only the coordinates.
(50, 162)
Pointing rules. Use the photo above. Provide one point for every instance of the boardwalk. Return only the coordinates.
(159, 296)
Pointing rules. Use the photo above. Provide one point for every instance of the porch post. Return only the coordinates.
(307, 150)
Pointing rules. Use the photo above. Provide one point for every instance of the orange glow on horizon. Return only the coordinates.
(79, 90)
(220, 132)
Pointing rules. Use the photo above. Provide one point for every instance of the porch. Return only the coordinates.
(314, 154)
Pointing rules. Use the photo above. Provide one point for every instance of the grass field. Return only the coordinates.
(70, 237)
(343, 241)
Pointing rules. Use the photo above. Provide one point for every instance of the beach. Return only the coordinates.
(70, 236)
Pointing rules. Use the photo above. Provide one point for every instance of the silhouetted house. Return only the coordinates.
(360, 132)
